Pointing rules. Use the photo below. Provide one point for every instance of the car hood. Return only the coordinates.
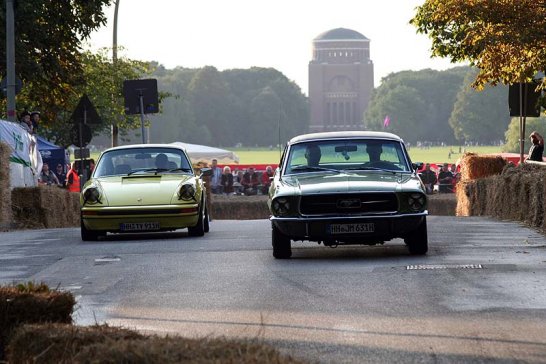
(141, 190)
(379, 181)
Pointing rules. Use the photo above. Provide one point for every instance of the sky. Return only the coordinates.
(277, 34)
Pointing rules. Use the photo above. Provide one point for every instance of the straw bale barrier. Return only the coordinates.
(60, 343)
(515, 194)
(5, 191)
(45, 207)
(474, 166)
(235, 207)
(31, 303)
(442, 204)
(103, 344)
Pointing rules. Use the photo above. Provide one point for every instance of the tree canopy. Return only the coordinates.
(49, 34)
(419, 104)
(504, 39)
(229, 107)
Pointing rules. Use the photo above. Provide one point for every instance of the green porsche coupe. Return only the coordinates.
(143, 188)
(354, 187)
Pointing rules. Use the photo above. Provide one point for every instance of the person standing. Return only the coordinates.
(445, 177)
(429, 178)
(266, 179)
(537, 149)
(35, 120)
(25, 122)
(73, 179)
(216, 177)
(59, 172)
(47, 177)
(227, 181)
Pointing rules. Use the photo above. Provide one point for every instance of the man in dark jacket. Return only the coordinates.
(429, 178)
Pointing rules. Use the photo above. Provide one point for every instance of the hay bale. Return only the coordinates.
(463, 193)
(240, 207)
(475, 166)
(31, 303)
(5, 191)
(60, 343)
(442, 204)
(182, 350)
(45, 207)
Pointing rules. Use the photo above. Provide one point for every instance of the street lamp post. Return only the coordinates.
(10, 61)
(115, 130)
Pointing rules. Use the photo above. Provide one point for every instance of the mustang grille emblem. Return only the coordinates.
(349, 203)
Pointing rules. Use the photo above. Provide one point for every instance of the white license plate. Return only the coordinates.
(351, 228)
(139, 226)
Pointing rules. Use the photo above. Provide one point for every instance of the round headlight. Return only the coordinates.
(91, 195)
(280, 206)
(416, 201)
(186, 192)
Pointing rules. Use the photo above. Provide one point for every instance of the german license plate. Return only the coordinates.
(139, 226)
(351, 228)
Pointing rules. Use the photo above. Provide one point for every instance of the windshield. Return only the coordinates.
(346, 155)
(142, 160)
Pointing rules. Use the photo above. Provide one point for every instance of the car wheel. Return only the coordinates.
(281, 244)
(199, 229)
(207, 227)
(89, 235)
(417, 241)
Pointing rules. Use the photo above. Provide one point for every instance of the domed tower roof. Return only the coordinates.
(340, 34)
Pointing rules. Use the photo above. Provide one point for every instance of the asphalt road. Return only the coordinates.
(478, 296)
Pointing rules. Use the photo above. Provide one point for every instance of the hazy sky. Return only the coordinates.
(245, 33)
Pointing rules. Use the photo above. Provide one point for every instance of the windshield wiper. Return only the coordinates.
(156, 170)
(179, 169)
(313, 168)
(372, 169)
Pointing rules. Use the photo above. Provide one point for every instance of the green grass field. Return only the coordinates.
(430, 155)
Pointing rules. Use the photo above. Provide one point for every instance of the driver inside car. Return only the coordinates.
(374, 151)
(313, 154)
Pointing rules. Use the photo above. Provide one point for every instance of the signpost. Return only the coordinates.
(141, 97)
(85, 113)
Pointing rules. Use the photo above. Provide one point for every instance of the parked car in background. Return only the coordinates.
(143, 188)
(354, 187)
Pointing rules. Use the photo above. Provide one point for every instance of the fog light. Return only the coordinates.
(280, 206)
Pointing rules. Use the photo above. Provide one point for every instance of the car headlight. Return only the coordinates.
(280, 206)
(91, 195)
(417, 201)
(186, 192)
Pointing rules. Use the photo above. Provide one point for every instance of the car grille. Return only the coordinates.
(349, 204)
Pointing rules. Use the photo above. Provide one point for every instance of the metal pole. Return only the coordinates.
(521, 124)
(141, 97)
(10, 62)
(114, 129)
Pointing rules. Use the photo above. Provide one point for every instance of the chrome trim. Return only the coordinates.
(351, 217)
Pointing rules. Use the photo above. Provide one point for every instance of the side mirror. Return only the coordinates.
(417, 166)
(206, 172)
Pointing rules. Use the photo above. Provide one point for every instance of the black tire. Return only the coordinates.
(199, 229)
(282, 248)
(89, 235)
(417, 241)
(207, 220)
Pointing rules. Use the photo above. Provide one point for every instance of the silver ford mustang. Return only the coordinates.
(353, 187)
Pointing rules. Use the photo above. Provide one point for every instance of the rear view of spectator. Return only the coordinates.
(47, 177)
(429, 178)
(250, 182)
(226, 181)
(266, 181)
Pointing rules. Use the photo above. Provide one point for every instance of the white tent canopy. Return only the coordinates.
(205, 154)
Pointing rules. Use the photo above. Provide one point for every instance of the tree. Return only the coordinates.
(426, 108)
(102, 80)
(504, 39)
(512, 134)
(48, 53)
(480, 116)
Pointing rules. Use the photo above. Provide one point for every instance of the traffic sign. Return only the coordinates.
(87, 135)
(85, 112)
